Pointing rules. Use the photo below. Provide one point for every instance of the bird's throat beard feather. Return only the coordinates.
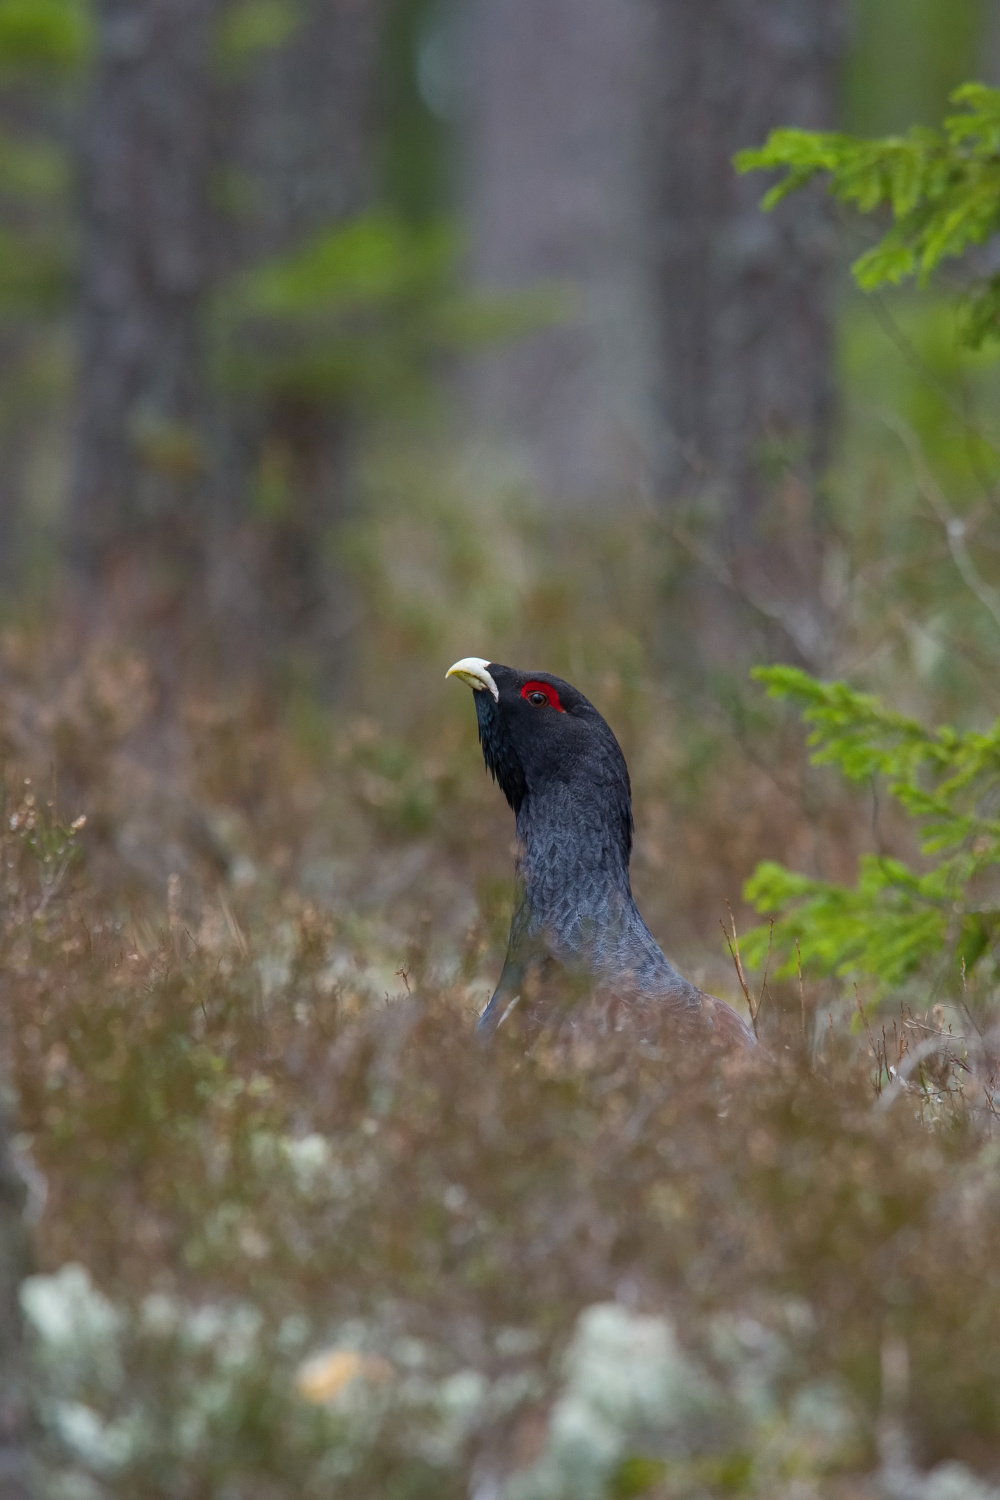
(502, 761)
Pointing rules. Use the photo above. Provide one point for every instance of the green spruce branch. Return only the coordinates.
(895, 918)
(940, 187)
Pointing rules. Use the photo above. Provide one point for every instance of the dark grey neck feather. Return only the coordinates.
(575, 901)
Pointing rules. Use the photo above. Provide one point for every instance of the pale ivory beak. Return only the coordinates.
(475, 671)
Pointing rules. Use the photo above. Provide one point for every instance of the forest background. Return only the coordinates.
(343, 338)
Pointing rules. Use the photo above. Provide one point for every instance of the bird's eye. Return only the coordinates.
(541, 693)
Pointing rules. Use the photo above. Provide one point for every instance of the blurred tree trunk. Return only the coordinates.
(299, 133)
(11, 524)
(556, 195)
(141, 453)
(697, 357)
(15, 1468)
(208, 150)
(300, 127)
(745, 302)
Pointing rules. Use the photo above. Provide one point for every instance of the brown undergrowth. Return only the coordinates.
(299, 1234)
(227, 1116)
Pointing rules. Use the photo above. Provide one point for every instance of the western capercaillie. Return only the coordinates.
(576, 928)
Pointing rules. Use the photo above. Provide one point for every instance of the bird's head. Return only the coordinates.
(538, 731)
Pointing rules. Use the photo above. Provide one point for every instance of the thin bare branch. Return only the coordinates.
(955, 527)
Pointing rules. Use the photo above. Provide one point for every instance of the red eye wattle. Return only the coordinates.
(540, 693)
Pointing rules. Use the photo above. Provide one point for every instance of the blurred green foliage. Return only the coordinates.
(34, 275)
(417, 141)
(32, 169)
(52, 37)
(919, 449)
(361, 314)
(249, 27)
(45, 50)
(906, 57)
(44, 47)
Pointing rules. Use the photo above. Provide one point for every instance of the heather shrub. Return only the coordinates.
(299, 1240)
(299, 1235)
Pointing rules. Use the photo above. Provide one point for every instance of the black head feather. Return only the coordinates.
(532, 746)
